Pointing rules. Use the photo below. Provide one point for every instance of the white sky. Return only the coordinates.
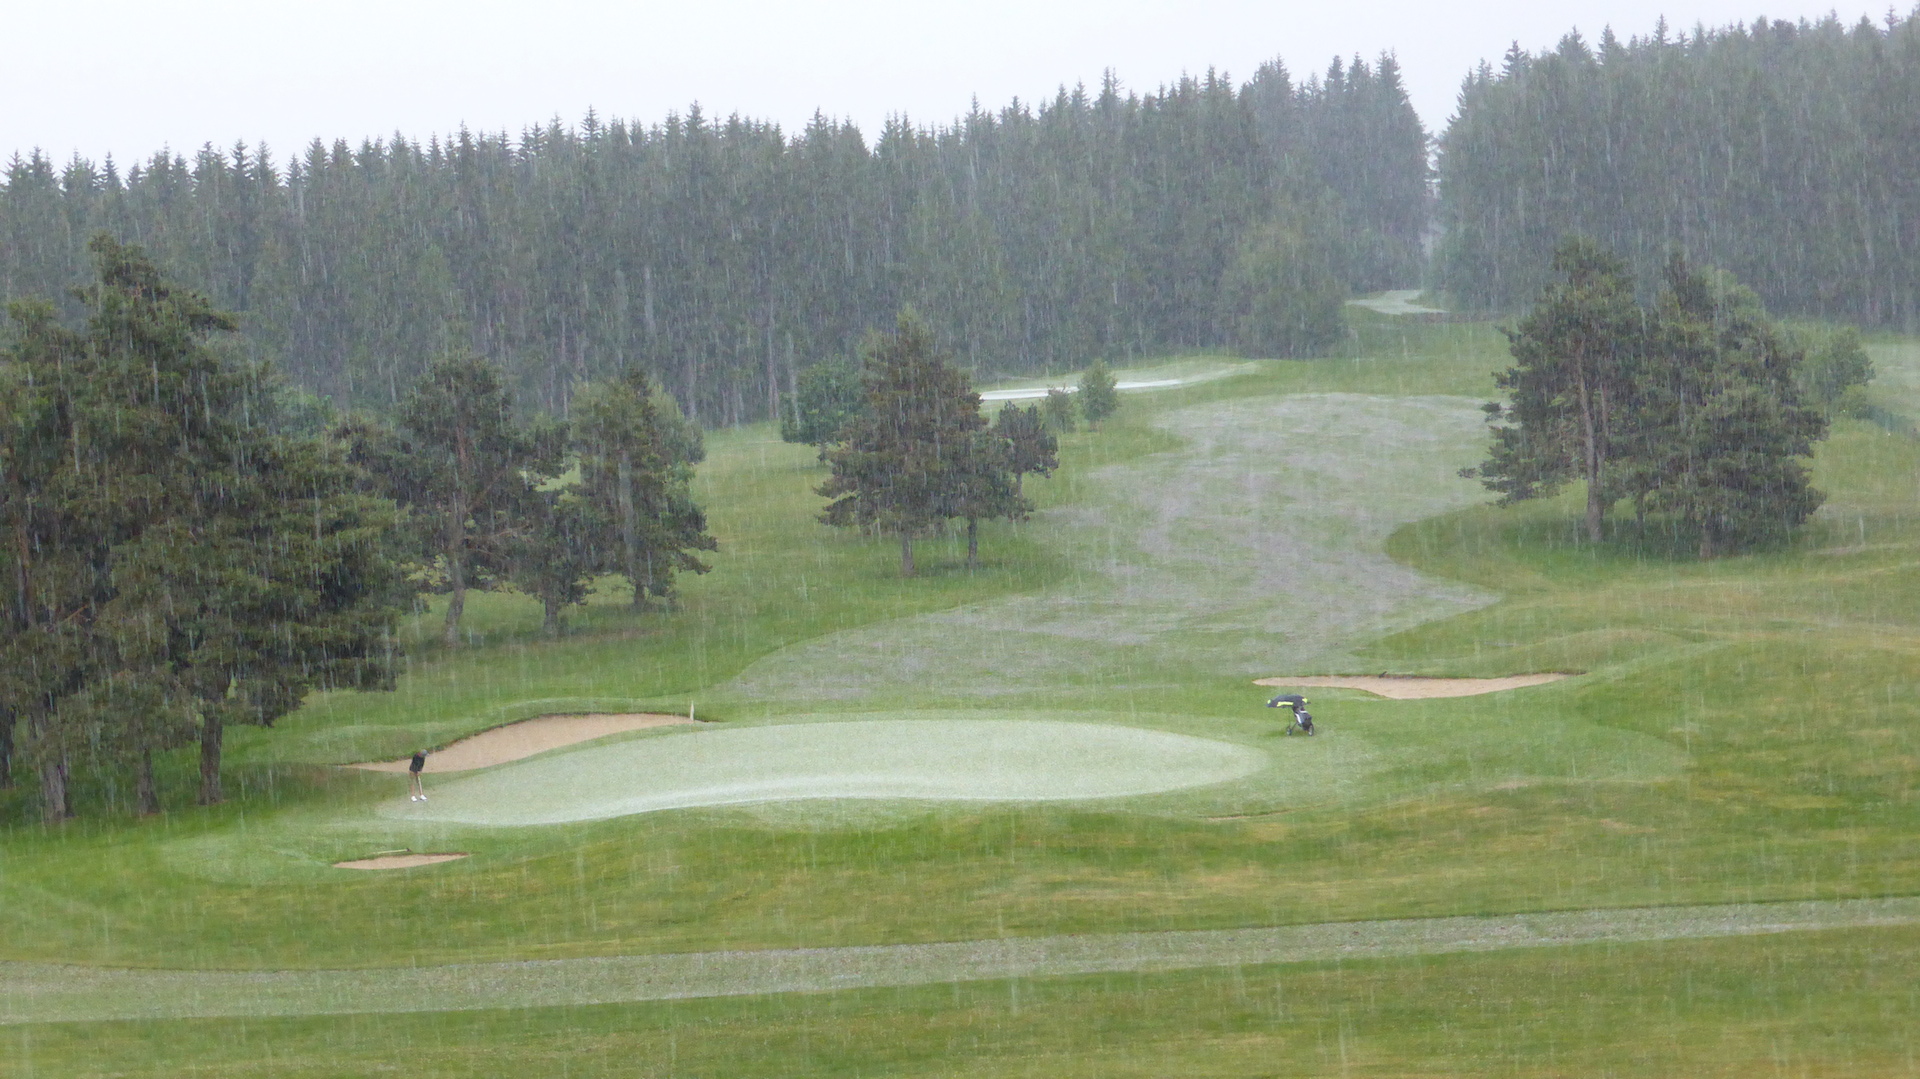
(99, 76)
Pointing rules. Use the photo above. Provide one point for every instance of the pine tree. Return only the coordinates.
(904, 461)
(1571, 387)
(469, 468)
(1031, 448)
(636, 454)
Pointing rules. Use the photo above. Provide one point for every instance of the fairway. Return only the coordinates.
(928, 759)
(1040, 804)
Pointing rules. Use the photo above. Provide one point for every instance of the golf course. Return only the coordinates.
(1033, 818)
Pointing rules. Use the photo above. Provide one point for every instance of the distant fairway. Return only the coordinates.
(935, 759)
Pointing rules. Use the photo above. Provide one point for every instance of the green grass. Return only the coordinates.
(1747, 729)
(1839, 1003)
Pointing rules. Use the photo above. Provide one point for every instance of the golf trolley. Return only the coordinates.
(1302, 722)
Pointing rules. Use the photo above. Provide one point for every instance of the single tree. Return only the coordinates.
(1722, 427)
(636, 454)
(986, 488)
(1569, 390)
(1031, 448)
(1057, 407)
(827, 396)
(904, 458)
(1099, 397)
(468, 468)
(554, 557)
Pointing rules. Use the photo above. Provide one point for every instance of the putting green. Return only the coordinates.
(930, 759)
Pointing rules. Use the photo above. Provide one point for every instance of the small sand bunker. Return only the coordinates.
(400, 861)
(528, 737)
(962, 760)
(1409, 689)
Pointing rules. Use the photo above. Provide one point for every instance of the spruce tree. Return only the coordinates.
(1031, 448)
(636, 454)
(906, 459)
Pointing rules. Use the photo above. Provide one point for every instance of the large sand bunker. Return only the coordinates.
(516, 741)
(1409, 689)
(917, 759)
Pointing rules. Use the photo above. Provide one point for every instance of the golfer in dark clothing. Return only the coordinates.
(413, 775)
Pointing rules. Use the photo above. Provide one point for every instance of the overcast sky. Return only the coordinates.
(130, 77)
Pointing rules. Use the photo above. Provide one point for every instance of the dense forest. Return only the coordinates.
(1785, 153)
(726, 257)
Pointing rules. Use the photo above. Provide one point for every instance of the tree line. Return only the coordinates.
(189, 546)
(1787, 153)
(1696, 408)
(727, 257)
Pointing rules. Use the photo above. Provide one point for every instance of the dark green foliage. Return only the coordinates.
(913, 458)
(1787, 153)
(1721, 424)
(556, 553)
(826, 397)
(636, 454)
(1835, 370)
(1692, 409)
(1283, 294)
(1098, 397)
(722, 256)
(1031, 448)
(1058, 410)
(176, 565)
(1572, 383)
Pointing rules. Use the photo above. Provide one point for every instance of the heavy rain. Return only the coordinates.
(1254, 572)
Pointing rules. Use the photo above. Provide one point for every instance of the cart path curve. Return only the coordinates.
(45, 992)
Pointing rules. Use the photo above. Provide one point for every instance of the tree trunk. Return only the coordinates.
(212, 730)
(1594, 459)
(6, 751)
(54, 803)
(973, 543)
(906, 554)
(146, 791)
(550, 624)
(629, 526)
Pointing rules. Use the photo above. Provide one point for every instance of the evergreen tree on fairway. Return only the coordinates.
(986, 487)
(636, 454)
(176, 565)
(1098, 396)
(467, 467)
(1058, 410)
(829, 395)
(554, 556)
(904, 459)
(1571, 386)
(1031, 448)
(1723, 426)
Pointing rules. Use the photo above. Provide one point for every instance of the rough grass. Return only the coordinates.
(1746, 730)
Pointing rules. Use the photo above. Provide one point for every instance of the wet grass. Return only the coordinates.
(1747, 729)
(1840, 1003)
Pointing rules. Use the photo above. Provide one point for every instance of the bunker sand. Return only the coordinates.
(47, 992)
(517, 741)
(399, 861)
(1413, 689)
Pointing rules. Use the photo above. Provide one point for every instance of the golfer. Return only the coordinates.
(413, 775)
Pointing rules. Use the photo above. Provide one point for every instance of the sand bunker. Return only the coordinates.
(916, 759)
(516, 741)
(399, 861)
(1409, 689)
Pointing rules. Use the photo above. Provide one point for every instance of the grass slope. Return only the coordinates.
(1746, 730)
